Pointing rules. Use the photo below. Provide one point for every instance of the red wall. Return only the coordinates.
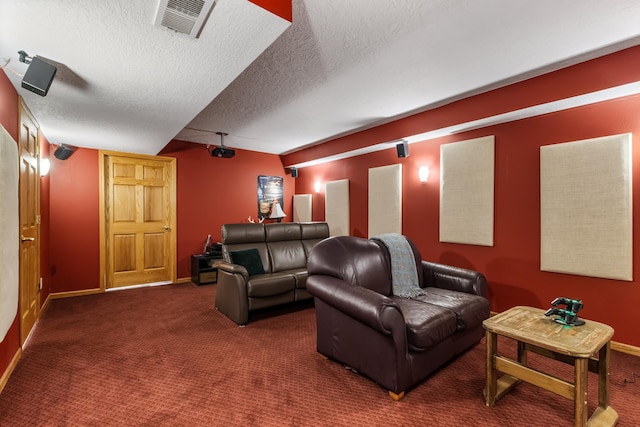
(512, 265)
(9, 120)
(74, 244)
(282, 8)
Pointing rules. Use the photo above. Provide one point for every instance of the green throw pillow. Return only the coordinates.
(249, 259)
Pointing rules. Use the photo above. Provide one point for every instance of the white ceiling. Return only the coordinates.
(125, 85)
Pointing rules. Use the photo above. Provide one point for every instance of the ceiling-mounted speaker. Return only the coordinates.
(39, 76)
(294, 172)
(63, 152)
(403, 149)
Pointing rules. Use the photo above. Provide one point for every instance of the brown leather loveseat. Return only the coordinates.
(265, 265)
(395, 341)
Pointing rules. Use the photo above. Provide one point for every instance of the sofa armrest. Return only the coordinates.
(371, 308)
(234, 269)
(231, 292)
(454, 278)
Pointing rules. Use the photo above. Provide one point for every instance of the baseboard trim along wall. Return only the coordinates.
(625, 348)
(10, 368)
(69, 294)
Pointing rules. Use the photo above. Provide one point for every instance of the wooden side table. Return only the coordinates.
(575, 345)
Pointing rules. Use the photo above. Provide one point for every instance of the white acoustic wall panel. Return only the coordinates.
(467, 191)
(337, 207)
(385, 200)
(586, 207)
(302, 208)
(9, 262)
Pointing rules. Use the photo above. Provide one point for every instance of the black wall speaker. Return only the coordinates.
(39, 76)
(294, 172)
(403, 149)
(63, 152)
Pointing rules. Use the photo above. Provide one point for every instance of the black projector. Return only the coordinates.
(39, 76)
(225, 152)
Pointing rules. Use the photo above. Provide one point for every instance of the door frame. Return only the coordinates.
(102, 158)
(23, 109)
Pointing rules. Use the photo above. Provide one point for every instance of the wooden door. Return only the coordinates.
(29, 194)
(139, 219)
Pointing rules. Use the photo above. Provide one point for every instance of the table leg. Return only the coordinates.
(603, 376)
(491, 384)
(522, 353)
(580, 391)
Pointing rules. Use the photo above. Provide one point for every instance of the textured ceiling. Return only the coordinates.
(125, 85)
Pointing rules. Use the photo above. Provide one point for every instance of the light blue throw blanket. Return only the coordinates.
(404, 277)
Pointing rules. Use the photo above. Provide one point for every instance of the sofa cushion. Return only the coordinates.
(427, 324)
(287, 255)
(268, 285)
(249, 259)
(470, 310)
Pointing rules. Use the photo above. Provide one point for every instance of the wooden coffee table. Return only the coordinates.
(575, 345)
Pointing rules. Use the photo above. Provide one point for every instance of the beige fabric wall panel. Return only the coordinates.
(336, 207)
(385, 200)
(302, 208)
(9, 226)
(467, 191)
(586, 207)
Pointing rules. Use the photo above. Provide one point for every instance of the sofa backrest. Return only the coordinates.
(238, 237)
(282, 246)
(285, 247)
(312, 234)
(355, 260)
(416, 255)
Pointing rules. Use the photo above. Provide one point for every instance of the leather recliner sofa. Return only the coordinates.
(283, 249)
(397, 342)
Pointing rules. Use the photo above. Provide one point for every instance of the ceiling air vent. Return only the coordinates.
(184, 16)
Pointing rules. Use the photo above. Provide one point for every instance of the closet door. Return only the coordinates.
(29, 195)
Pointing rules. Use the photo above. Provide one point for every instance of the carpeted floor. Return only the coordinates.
(164, 356)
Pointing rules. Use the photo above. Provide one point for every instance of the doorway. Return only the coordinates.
(137, 221)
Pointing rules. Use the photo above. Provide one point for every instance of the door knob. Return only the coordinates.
(166, 227)
(26, 239)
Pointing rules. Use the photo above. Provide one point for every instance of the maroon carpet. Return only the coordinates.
(165, 357)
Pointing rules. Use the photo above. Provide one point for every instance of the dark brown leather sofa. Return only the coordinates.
(396, 342)
(283, 249)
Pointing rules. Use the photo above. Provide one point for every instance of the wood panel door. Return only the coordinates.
(139, 219)
(29, 194)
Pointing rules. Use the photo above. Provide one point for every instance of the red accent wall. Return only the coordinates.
(512, 265)
(282, 8)
(9, 120)
(74, 244)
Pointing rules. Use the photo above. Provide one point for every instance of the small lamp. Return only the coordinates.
(423, 174)
(276, 211)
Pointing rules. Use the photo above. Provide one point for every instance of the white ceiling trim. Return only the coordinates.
(616, 92)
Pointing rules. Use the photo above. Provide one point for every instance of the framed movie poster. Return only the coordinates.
(270, 195)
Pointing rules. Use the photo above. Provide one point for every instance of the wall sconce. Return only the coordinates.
(317, 186)
(423, 174)
(45, 165)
